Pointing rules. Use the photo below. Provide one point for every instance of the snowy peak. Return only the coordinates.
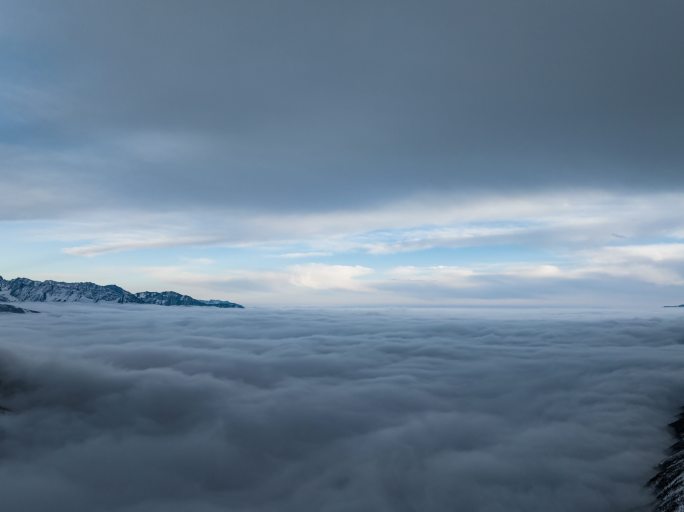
(27, 290)
(177, 299)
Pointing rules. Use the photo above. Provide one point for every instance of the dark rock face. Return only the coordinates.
(668, 483)
(6, 308)
(27, 290)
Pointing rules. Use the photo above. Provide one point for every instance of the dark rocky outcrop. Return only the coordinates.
(668, 483)
(6, 308)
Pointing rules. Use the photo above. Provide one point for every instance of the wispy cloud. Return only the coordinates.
(302, 255)
(329, 277)
(569, 237)
(128, 243)
(422, 223)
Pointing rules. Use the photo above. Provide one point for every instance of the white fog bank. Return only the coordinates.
(153, 409)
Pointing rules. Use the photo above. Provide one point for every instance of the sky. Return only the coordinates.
(347, 153)
(328, 410)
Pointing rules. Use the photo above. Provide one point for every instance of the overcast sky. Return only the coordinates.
(370, 152)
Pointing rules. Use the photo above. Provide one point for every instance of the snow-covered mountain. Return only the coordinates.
(27, 290)
(176, 299)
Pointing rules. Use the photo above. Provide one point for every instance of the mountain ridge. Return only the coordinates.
(22, 289)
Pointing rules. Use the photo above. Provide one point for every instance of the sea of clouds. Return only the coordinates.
(152, 409)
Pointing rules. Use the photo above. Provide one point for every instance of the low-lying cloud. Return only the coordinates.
(132, 409)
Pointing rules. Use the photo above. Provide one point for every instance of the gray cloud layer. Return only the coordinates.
(152, 409)
(308, 105)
